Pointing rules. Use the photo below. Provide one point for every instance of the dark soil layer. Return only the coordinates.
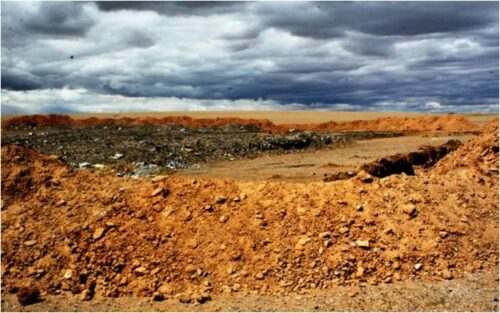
(404, 162)
(125, 148)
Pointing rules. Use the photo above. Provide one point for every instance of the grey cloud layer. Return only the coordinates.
(317, 54)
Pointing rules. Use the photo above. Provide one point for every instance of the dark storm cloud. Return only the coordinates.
(332, 19)
(348, 55)
(19, 81)
(172, 7)
(60, 19)
(49, 18)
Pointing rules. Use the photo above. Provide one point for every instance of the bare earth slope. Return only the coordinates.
(67, 230)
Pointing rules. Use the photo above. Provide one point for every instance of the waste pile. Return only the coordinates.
(141, 150)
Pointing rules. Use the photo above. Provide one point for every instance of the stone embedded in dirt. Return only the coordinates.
(359, 208)
(443, 234)
(364, 176)
(259, 216)
(360, 272)
(167, 211)
(414, 213)
(146, 170)
(223, 219)
(141, 270)
(30, 243)
(325, 235)
(388, 231)
(220, 199)
(158, 296)
(190, 269)
(99, 166)
(157, 191)
(447, 274)
(259, 276)
(396, 265)
(86, 295)
(164, 289)
(188, 216)
(343, 230)
(28, 295)
(98, 233)
(117, 156)
(68, 274)
(61, 202)
(185, 297)
(200, 297)
(83, 164)
(208, 208)
(418, 266)
(411, 210)
(194, 297)
(302, 242)
(365, 244)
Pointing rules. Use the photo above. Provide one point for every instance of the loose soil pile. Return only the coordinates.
(97, 235)
(421, 123)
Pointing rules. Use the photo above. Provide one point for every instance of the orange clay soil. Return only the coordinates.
(74, 230)
(418, 123)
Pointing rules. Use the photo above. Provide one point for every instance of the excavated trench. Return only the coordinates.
(400, 163)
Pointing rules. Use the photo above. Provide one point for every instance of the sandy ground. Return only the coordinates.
(473, 293)
(313, 165)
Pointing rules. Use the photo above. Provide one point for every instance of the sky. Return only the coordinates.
(69, 57)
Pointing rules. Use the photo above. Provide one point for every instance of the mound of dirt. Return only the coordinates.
(481, 153)
(408, 124)
(404, 162)
(68, 230)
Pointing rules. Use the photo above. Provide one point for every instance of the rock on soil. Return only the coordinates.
(28, 295)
